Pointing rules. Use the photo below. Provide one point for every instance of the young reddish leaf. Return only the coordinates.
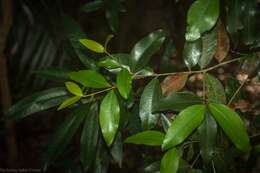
(173, 83)
(223, 42)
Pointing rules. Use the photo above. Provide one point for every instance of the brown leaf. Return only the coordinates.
(173, 83)
(223, 42)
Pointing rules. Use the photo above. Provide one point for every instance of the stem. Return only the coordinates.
(204, 88)
(193, 163)
(99, 92)
(213, 166)
(237, 91)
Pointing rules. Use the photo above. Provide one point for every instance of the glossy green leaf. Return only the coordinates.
(92, 6)
(184, 124)
(92, 45)
(150, 96)
(177, 101)
(109, 116)
(90, 131)
(112, 14)
(232, 125)
(53, 73)
(149, 137)
(202, 16)
(65, 133)
(170, 161)
(166, 123)
(145, 48)
(192, 53)
(89, 78)
(209, 45)
(214, 89)
(109, 63)
(117, 150)
(68, 102)
(74, 88)
(37, 102)
(208, 136)
(124, 83)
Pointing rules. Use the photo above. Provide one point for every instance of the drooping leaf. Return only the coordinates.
(173, 83)
(202, 16)
(109, 116)
(117, 150)
(177, 101)
(124, 83)
(214, 89)
(37, 102)
(68, 102)
(150, 96)
(65, 134)
(53, 73)
(223, 42)
(92, 6)
(149, 137)
(192, 53)
(209, 44)
(208, 136)
(92, 45)
(89, 137)
(74, 88)
(170, 161)
(184, 124)
(89, 78)
(145, 48)
(232, 125)
(112, 14)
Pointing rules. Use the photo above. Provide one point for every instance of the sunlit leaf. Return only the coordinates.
(74, 88)
(124, 83)
(108, 39)
(170, 161)
(92, 45)
(68, 102)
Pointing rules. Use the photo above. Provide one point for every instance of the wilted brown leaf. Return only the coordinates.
(173, 83)
(223, 42)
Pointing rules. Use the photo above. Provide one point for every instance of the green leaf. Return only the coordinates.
(209, 45)
(92, 6)
(150, 96)
(177, 101)
(53, 73)
(184, 124)
(109, 116)
(112, 14)
(124, 83)
(89, 78)
(74, 88)
(170, 161)
(90, 131)
(208, 136)
(149, 137)
(145, 48)
(166, 123)
(65, 133)
(202, 16)
(214, 89)
(92, 45)
(109, 63)
(192, 53)
(108, 39)
(68, 102)
(37, 102)
(232, 125)
(117, 150)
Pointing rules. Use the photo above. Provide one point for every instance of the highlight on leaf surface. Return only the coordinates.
(92, 45)
(74, 88)
(69, 102)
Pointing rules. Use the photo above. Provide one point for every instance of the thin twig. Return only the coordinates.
(193, 163)
(99, 92)
(237, 91)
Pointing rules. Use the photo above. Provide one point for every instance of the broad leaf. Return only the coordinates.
(117, 150)
(37, 102)
(68, 102)
(184, 124)
(65, 134)
(214, 89)
(232, 125)
(202, 16)
(209, 44)
(89, 137)
(74, 88)
(89, 78)
(92, 6)
(108, 63)
(92, 45)
(109, 116)
(150, 96)
(124, 83)
(53, 73)
(173, 83)
(150, 138)
(208, 136)
(145, 48)
(192, 53)
(177, 101)
(170, 161)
